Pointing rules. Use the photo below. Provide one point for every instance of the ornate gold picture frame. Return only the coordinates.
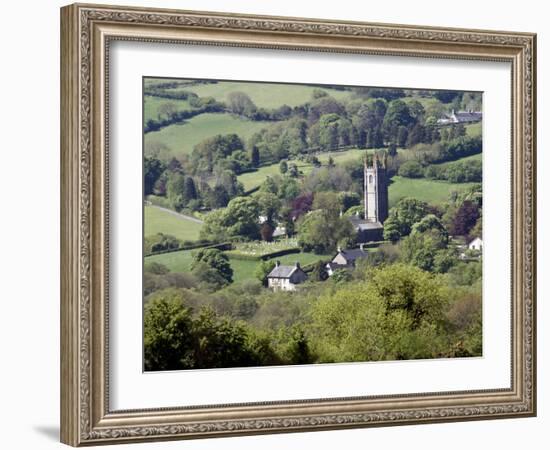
(87, 31)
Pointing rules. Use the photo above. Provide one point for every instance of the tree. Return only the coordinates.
(404, 215)
(319, 272)
(241, 104)
(397, 114)
(465, 218)
(207, 153)
(221, 343)
(218, 197)
(293, 171)
(239, 218)
(189, 190)
(266, 232)
(269, 205)
(213, 228)
(255, 156)
(391, 230)
(416, 135)
(318, 93)
(152, 170)
(263, 269)
(175, 189)
(301, 205)
(446, 96)
(228, 180)
(214, 259)
(320, 231)
(167, 110)
(420, 249)
(167, 333)
(398, 314)
(431, 223)
(402, 135)
(283, 167)
(411, 169)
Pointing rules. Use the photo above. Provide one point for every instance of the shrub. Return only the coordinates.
(411, 169)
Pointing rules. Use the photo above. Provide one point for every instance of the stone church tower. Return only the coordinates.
(375, 190)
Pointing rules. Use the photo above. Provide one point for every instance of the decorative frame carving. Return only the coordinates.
(86, 31)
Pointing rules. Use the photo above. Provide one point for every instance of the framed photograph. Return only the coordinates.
(276, 224)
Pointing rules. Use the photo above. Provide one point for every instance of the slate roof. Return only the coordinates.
(335, 266)
(362, 224)
(282, 271)
(467, 116)
(461, 117)
(352, 254)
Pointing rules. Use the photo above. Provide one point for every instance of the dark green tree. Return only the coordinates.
(263, 269)
(152, 170)
(255, 156)
(167, 333)
(411, 169)
(214, 259)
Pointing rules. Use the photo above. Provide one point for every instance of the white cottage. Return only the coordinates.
(285, 278)
(476, 244)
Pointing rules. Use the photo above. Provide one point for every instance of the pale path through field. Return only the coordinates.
(177, 214)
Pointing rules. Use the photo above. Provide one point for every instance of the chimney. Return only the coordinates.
(277, 263)
(297, 265)
(339, 249)
(361, 246)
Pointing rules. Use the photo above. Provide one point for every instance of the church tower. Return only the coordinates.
(375, 189)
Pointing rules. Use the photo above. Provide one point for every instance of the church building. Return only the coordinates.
(375, 198)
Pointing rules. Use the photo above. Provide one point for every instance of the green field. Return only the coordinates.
(264, 95)
(242, 270)
(182, 137)
(175, 261)
(151, 106)
(251, 180)
(430, 191)
(159, 221)
(473, 129)
(476, 157)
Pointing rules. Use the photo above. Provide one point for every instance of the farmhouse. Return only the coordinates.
(460, 117)
(285, 278)
(345, 259)
(375, 199)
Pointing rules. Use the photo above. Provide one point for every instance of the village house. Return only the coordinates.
(460, 117)
(285, 278)
(345, 259)
(476, 244)
(473, 249)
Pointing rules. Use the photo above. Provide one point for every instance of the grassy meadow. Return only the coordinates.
(473, 129)
(180, 138)
(151, 106)
(273, 97)
(431, 191)
(160, 221)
